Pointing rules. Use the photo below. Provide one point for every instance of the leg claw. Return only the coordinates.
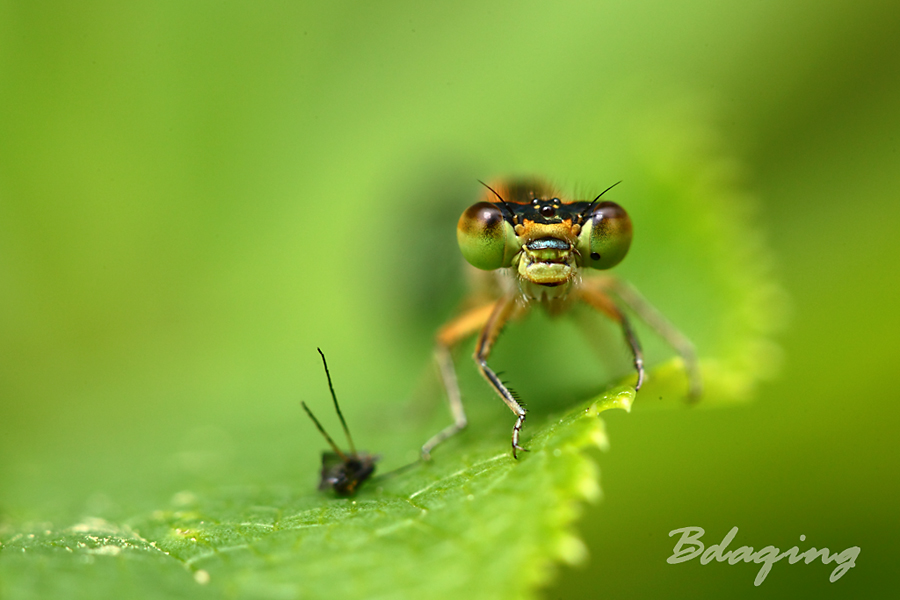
(518, 447)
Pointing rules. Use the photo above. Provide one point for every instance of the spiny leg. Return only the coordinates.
(503, 310)
(449, 336)
(666, 330)
(604, 304)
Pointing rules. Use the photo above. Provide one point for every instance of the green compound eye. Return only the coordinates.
(605, 237)
(485, 238)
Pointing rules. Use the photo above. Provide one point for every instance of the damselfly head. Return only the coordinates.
(525, 225)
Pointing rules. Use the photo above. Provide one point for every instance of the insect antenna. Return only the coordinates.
(337, 407)
(323, 432)
(594, 201)
(502, 201)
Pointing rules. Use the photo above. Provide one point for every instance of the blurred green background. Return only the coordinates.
(193, 196)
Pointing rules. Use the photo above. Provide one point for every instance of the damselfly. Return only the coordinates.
(540, 245)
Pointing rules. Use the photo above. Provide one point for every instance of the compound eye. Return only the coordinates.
(486, 240)
(605, 237)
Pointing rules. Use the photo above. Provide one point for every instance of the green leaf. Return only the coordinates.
(169, 288)
(474, 521)
(477, 522)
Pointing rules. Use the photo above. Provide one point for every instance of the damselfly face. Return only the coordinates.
(342, 471)
(546, 241)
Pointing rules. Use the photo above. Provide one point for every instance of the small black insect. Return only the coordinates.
(342, 472)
